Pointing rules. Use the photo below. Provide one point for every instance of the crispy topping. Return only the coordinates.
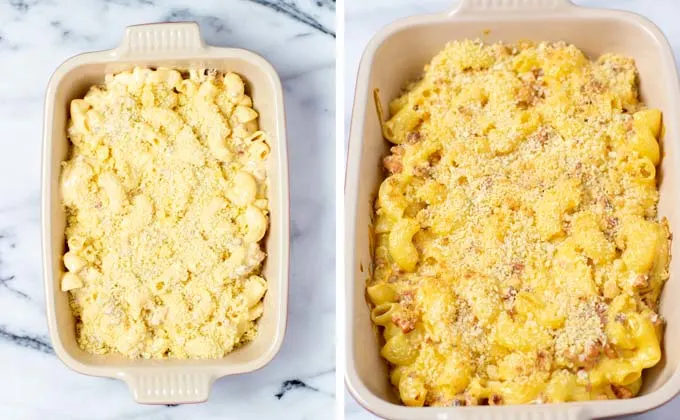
(405, 323)
(621, 392)
(393, 163)
(641, 281)
(413, 137)
(518, 179)
(610, 351)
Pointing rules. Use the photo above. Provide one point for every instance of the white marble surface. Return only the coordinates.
(35, 37)
(364, 18)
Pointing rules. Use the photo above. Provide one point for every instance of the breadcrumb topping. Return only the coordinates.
(514, 194)
(166, 201)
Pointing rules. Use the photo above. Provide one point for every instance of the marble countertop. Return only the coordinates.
(364, 18)
(35, 37)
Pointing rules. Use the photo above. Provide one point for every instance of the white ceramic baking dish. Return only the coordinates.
(177, 45)
(396, 55)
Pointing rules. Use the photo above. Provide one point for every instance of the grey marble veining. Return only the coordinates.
(297, 37)
(364, 18)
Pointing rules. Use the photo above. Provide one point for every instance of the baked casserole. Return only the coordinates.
(518, 257)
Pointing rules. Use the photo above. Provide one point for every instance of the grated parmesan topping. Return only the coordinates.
(166, 201)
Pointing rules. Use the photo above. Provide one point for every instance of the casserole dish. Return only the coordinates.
(407, 45)
(177, 45)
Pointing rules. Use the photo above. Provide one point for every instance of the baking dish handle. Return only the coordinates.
(509, 6)
(155, 38)
(536, 412)
(169, 386)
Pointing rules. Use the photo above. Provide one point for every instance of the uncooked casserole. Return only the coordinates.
(165, 190)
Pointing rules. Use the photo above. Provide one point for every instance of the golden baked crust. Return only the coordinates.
(518, 258)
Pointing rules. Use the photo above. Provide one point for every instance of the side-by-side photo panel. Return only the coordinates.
(510, 208)
(185, 205)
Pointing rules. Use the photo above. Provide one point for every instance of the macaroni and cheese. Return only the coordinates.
(166, 201)
(517, 255)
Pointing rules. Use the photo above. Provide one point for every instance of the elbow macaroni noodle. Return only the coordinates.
(166, 201)
(518, 257)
